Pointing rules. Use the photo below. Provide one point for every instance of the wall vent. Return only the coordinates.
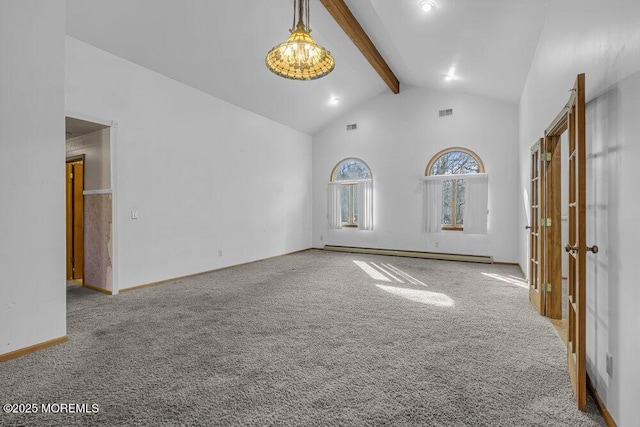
(352, 126)
(447, 112)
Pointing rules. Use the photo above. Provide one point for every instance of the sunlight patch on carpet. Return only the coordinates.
(379, 267)
(512, 280)
(407, 276)
(375, 274)
(423, 297)
(387, 273)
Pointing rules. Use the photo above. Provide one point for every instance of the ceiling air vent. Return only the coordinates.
(352, 126)
(447, 112)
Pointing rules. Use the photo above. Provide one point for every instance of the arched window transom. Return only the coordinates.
(351, 169)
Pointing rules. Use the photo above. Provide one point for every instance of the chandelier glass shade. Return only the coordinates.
(299, 57)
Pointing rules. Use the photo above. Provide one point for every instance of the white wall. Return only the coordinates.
(601, 40)
(396, 136)
(32, 251)
(96, 147)
(204, 175)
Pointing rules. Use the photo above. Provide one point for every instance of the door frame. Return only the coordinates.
(114, 149)
(553, 233)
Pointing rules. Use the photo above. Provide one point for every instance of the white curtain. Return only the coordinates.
(476, 203)
(334, 207)
(432, 206)
(365, 205)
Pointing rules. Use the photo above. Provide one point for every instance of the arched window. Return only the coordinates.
(454, 198)
(350, 195)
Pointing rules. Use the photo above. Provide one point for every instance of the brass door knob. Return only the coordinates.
(570, 249)
(593, 249)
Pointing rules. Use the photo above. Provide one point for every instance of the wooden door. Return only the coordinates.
(536, 291)
(75, 219)
(577, 248)
(69, 210)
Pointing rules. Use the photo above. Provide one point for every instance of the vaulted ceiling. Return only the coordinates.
(219, 48)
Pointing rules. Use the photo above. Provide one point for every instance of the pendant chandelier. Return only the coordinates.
(299, 57)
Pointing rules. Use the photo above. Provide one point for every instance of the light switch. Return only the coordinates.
(134, 214)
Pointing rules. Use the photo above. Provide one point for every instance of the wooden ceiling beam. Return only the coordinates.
(350, 25)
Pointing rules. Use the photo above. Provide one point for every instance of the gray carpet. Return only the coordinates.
(307, 339)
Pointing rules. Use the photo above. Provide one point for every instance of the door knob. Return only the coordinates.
(527, 227)
(571, 249)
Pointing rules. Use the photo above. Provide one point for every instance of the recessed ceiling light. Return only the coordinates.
(427, 5)
(334, 101)
(451, 75)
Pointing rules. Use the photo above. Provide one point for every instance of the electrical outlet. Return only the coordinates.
(219, 252)
(437, 244)
(321, 238)
(609, 365)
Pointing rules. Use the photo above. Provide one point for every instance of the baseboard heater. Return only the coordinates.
(485, 259)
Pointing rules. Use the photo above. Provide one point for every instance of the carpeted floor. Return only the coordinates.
(312, 338)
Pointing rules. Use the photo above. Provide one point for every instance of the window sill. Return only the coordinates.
(450, 228)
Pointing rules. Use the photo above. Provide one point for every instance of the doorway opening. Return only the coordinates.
(89, 205)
